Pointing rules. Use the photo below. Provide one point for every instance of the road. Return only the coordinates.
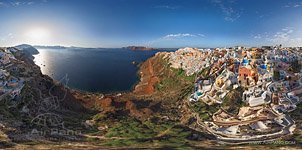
(243, 139)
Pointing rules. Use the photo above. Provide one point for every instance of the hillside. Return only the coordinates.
(33, 105)
(42, 113)
(28, 49)
(44, 105)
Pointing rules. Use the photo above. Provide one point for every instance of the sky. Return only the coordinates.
(152, 23)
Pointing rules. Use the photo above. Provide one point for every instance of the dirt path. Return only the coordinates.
(153, 79)
(150, 68)
(102, 137)
(163, 133)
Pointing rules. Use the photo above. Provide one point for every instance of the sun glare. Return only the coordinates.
(38, 35)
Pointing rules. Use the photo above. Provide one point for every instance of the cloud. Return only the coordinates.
(293, 5)
(20, 3)
(181, 35)
(284, 36)
(2, 4)
(167, 7)
(201, 35)
(227, 8)
(258, 36)
(30, 3)
(231, 15)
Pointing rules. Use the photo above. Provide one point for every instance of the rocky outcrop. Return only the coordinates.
(28, 49)
(150, 73)
(157, 76)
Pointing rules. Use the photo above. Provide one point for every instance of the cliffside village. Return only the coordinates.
(271, 81)
(11, 82)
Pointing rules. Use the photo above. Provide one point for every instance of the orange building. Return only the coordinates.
(247, 76)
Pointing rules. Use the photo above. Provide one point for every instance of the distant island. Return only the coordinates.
(28, 49)
(140, 48)
(133, 48)
(50, 47)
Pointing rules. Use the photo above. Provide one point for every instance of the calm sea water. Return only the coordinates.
(94, 70)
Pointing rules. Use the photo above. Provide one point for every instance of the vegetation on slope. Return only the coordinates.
(233, 101)
(154, 133)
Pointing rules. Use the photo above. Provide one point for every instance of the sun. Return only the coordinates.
(38, 35)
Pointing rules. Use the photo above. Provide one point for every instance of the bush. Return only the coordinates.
(276, 75)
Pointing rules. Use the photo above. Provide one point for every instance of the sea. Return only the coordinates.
(103, 70)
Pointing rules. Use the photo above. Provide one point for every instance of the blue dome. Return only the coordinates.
(245, 61)
(263, 66)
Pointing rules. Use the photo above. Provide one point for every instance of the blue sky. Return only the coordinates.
(154, 23)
